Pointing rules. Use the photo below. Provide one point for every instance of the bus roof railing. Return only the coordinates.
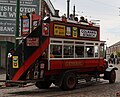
(73, 21)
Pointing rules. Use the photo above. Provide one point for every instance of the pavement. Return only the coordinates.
(2, 74)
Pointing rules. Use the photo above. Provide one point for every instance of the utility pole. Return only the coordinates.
(17, 22)
(68, 7)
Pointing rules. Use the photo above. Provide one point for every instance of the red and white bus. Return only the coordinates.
(60, 51)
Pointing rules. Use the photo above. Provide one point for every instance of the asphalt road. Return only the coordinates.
(101, 88)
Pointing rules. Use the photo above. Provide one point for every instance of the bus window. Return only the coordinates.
(102, 50)
(79, 51)
(56, 51)
(89, 51)
(96, 50)
(68, 51)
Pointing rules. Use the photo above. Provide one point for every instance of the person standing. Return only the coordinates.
(71, 17)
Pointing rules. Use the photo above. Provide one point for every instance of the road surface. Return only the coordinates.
(100, 88)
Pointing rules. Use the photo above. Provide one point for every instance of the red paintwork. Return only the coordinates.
(82, 66)
(56, 64)
(31, 60)
(76, 63)
(51, 28)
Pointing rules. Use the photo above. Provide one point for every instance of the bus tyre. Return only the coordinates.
(43, 85)
(69, 81)
(112, 77)
(88, 79)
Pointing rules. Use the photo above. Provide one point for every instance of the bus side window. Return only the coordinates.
(96, 51)
(68, 51)
(101, 50)
(90, 51)
(79, 51)
(56, 51)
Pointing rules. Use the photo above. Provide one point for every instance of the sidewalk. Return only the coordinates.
(2, 74)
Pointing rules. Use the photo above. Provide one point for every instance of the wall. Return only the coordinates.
(5, 46)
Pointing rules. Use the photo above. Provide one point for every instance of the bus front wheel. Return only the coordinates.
(112, 76)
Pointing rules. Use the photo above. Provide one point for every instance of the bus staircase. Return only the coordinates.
(32, 54)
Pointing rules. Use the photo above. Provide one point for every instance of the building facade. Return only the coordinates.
(8, 21)
(113, 49)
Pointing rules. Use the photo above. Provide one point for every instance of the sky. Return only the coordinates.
(106, 11)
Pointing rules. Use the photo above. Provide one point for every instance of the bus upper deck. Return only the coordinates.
(72, 29)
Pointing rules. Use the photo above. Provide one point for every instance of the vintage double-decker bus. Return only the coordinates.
(59, 51)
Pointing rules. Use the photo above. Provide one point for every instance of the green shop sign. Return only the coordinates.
(8, 13)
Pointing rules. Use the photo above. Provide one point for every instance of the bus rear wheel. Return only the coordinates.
(69, 81)
(112, 77)
(88, 79)
(43, 84)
